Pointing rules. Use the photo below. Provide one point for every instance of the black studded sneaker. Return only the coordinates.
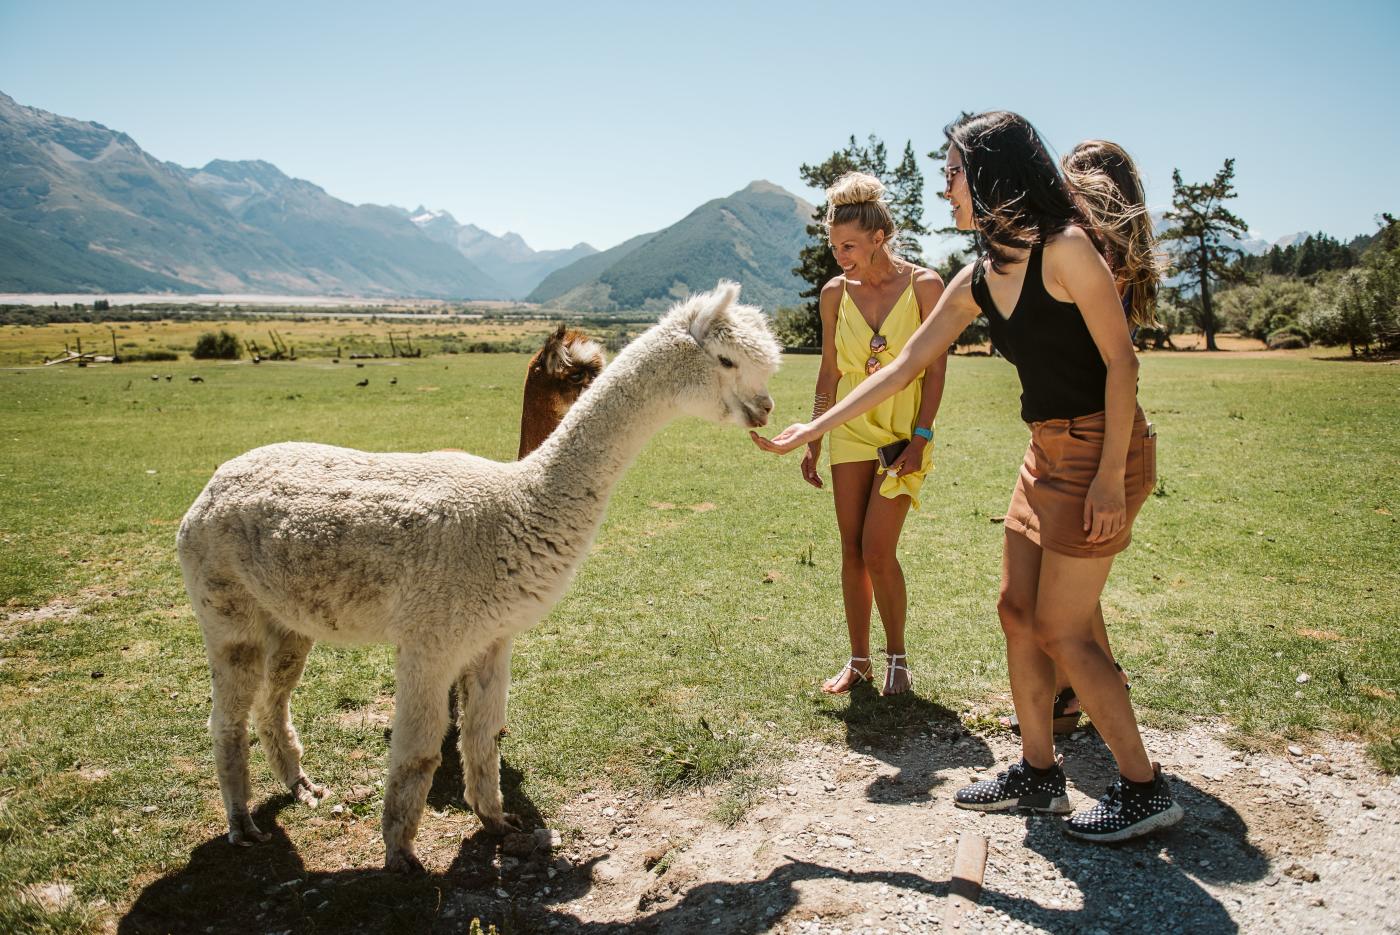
(1127, 812)
(1017, 787)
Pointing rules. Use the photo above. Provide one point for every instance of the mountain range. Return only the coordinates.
(83, 208)
(753, 237)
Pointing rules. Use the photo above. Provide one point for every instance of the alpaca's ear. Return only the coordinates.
(715, 312)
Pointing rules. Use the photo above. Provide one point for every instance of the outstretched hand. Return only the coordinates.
(789, 439)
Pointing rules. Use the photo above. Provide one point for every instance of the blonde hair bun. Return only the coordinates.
(855, 188)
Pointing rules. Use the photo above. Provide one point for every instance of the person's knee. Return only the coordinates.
(880, 558)
(1016, 617)
(1060, 645)
(852, 555)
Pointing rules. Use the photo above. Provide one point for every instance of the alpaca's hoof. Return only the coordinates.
(507, 823)
(242, 832)
(405, 862)
(308, 792)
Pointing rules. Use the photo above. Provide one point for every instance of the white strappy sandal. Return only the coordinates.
(862, 676)
(893, 665)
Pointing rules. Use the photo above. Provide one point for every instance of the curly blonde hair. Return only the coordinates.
(1108, 193)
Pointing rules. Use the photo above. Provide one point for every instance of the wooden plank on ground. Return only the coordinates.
(965, 888)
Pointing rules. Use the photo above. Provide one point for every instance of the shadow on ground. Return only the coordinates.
(1150, 885)
(883, 728)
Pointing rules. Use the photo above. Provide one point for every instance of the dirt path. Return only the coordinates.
(863, 841)
(845, 840)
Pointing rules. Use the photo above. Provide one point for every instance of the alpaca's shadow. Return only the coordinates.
(267, 887)
(226, 889)
(922, 739)
(447, 788)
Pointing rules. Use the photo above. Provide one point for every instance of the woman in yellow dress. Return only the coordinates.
(868, 313)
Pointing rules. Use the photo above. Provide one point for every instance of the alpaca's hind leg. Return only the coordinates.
(482, 693)
(420, 719)
(234, 668)
(284, 657)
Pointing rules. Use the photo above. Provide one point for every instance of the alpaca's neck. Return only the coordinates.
(539, 415)
(578, 466)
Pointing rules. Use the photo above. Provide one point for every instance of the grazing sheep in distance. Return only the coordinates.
(446, 556)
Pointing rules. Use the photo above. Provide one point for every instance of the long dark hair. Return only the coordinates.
(1019, 198)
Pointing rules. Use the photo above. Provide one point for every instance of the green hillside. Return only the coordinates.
(586, 270)
(753, 236)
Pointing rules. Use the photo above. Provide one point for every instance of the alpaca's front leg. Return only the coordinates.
(420, 719)
(482, 693)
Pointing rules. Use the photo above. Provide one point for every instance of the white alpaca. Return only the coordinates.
(445, 555)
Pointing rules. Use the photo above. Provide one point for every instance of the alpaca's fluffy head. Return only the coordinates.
(567, 363)
(737, 355)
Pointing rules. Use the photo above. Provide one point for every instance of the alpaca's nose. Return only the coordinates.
(765, 403)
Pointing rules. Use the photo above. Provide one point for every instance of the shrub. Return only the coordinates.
(1286, 339)
(796, 326)
(1263, 308)
(217, 346)
(149, 356)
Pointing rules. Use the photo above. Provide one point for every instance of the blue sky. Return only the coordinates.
(598, 121)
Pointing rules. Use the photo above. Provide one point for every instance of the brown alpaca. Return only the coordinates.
(558, 373)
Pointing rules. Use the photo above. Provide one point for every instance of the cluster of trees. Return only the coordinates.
(1317, 253)
(1356, 304)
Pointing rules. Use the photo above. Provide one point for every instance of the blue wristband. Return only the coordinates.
(925, 434)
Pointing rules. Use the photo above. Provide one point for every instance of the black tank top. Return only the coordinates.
(1062, 374)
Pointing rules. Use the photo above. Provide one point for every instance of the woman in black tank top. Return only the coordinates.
(1054, 311)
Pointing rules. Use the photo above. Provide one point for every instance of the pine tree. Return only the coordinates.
(1199, 223)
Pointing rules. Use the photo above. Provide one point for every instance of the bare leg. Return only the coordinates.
(1064, 611)
(284, 657)
(1101, 637)
(482, 693)
(851, 485)
(884, 521)
(420, 719)
(1031, 670)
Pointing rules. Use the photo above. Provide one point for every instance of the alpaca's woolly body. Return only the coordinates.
(445, 555)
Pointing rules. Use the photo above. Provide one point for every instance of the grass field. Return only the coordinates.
(309, 336)
(691, 643)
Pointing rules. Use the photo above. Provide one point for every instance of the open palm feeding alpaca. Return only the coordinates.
(445, 555)
(563, 368)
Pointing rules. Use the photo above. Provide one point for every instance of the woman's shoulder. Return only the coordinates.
(1073, 240)
(834, 286)
(926, 277)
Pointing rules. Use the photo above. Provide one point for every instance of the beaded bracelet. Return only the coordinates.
(821, 402)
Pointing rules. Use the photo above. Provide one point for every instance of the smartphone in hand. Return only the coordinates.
(889, 454)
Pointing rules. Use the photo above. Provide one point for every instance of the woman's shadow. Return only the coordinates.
(1149, 884)
(923, 740)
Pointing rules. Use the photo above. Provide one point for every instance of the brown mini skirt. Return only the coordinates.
(1047, 505)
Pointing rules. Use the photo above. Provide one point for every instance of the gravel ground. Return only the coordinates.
(1298, 840)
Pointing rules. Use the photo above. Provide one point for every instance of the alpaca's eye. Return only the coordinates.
(726, 362)
(576, 376)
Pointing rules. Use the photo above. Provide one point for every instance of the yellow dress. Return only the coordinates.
(892, 419)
